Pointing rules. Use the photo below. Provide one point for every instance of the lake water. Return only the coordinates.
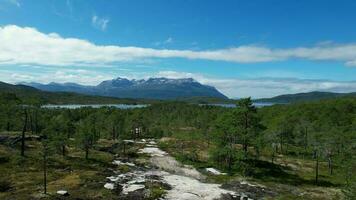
(76, 106)
(131, 106)
(258, 105)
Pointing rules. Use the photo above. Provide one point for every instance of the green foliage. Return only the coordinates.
(87, 134)
(278, 144)
(241, 126)
(350, 190)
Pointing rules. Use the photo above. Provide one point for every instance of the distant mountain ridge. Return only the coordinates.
(308, 96)
(28, 93)
(152, 88)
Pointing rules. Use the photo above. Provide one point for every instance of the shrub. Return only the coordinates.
(4, 159)
(5, 185)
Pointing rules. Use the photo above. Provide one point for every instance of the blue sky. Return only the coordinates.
(255, 48)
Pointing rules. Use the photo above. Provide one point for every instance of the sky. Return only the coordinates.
(257, 48)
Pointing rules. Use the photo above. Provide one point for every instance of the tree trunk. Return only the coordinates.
(114, 135)
(124, 148)
(281, 143)
(31, 123)
(45, 169)
(230, 163)
(317, 169)
(244, 146)
(36, 122)
(23, 135)
(306, 139)
(330, 165)
(86, 153)
(8, 126)
(63, 150)
(273, 155)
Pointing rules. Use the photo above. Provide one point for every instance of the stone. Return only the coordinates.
(63, 193)
(109, 186)
(113, 178)
(131, 188)
(214, 171)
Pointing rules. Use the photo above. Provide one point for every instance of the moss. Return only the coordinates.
(156, 193)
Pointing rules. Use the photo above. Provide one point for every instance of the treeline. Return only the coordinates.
(87, 125)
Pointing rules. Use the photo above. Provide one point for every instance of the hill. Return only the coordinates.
(26, 92)
(300, 97)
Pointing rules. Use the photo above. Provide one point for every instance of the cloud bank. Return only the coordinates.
(264, 87)
(28, 46)
(232, 87)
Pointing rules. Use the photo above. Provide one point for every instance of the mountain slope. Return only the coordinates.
(299, 97)
(26, 93)
(153, 88)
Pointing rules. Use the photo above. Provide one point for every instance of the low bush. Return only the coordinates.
(4, 159)
(5, 185)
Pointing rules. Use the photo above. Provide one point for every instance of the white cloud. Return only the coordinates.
(80, 76)
(232, 87)
(100, 23)
(264, 87)
(24, 45)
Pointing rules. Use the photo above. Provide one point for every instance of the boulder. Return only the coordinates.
(109, 186)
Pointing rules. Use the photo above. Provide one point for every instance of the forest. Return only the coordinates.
(307, 145)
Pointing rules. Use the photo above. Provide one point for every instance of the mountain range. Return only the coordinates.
(27, 93)
(152, 88)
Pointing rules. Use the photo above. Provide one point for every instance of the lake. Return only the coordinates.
(131, 106)
(76, 106)
(257, 104)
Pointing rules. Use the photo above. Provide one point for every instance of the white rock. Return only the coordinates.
(153, 151)
(118, 162)
(131, 188)
(214, 171)
(247, 183)
(184, 188)
(130, 164)
(152, 142)
(62, 192)
(129, 141)
(109, 186)
(137, 180)
(113, 178)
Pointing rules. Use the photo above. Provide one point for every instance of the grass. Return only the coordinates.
(22, 177)
(286, 174)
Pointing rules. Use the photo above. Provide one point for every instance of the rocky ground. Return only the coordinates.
(157, 175)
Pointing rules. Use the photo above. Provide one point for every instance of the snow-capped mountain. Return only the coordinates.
(152, 88)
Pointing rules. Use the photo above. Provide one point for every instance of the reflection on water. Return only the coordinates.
(76, 106)
(130, 106)
(257, 104)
